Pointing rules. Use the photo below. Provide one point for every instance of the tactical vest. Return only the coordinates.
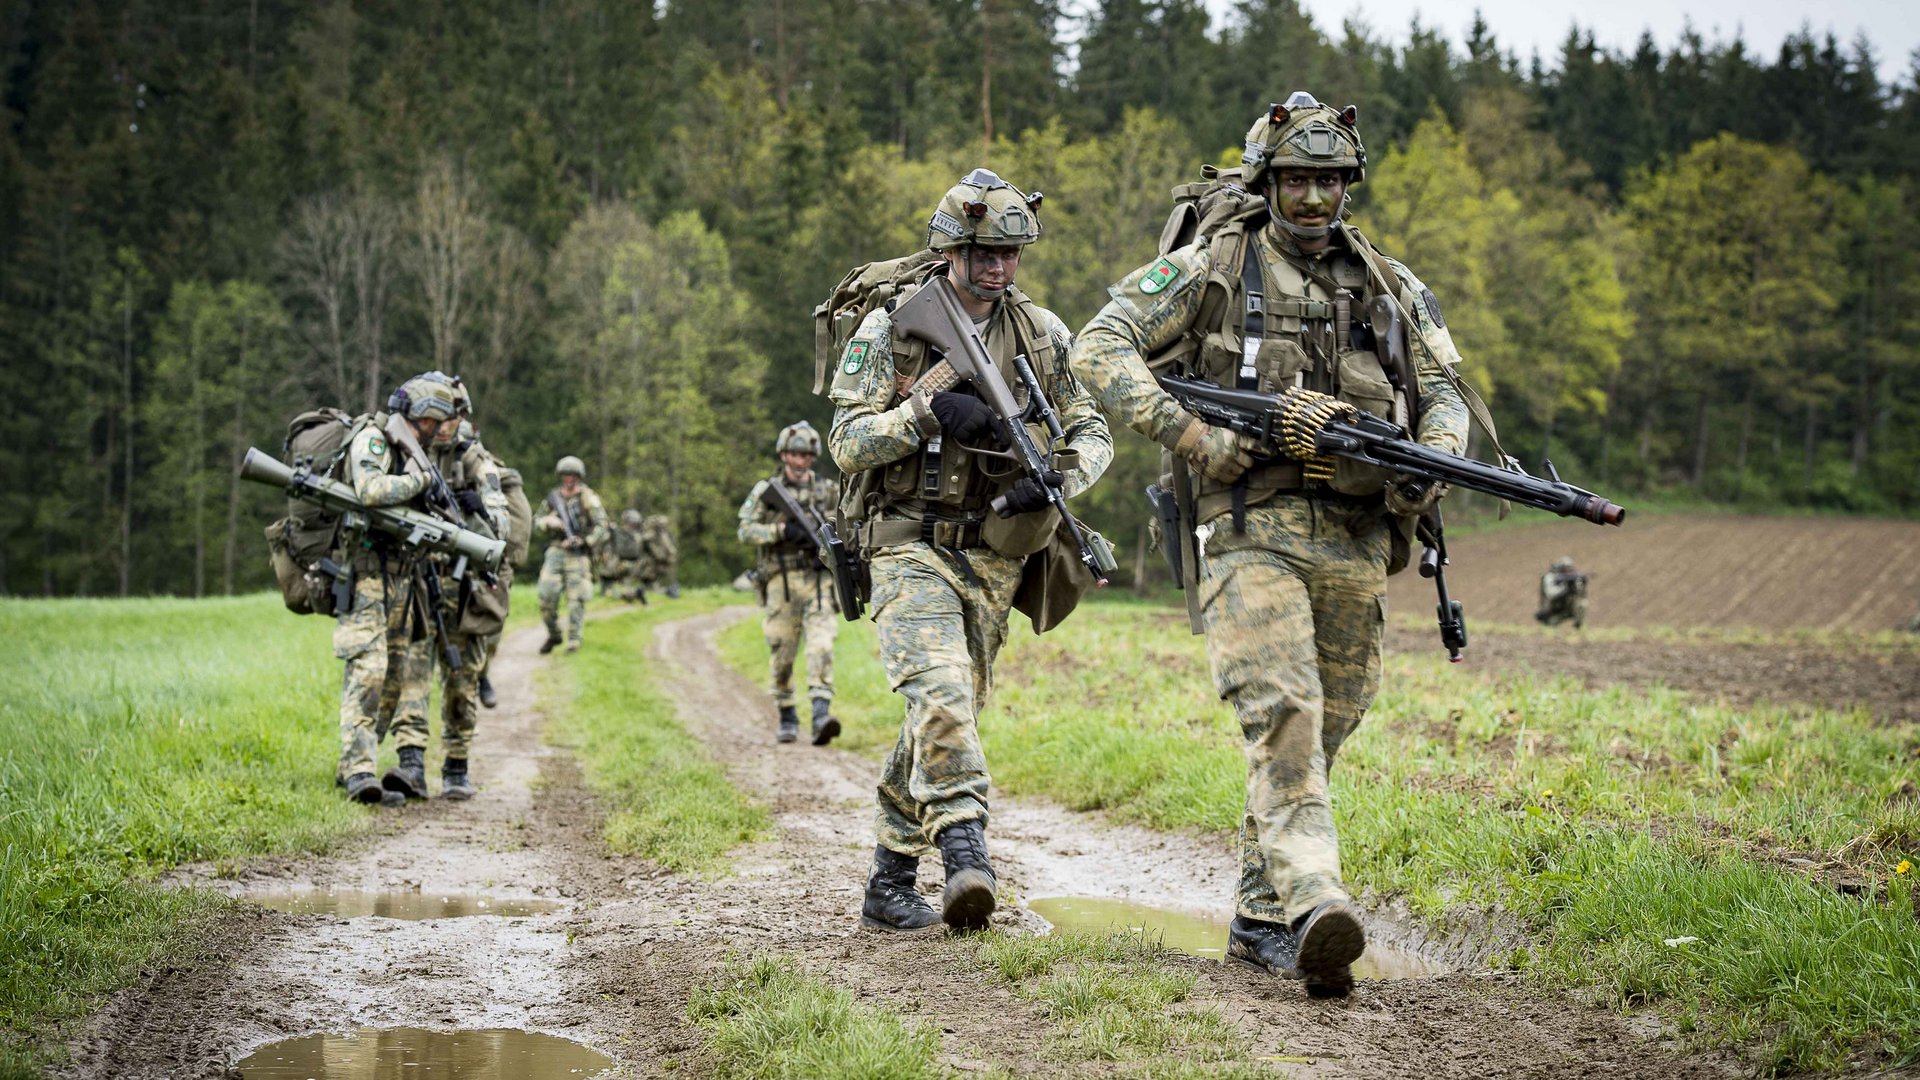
(576, 508)
(459, 469)
(781, 556)
(943, 479)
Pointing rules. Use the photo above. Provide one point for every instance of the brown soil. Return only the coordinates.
(615, 969)
(1692, 570)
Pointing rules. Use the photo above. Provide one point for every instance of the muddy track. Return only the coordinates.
(615, 967)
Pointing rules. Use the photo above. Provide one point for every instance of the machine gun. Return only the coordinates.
(833, 552)
(1303, 425)
(413, 529)
(934, 315)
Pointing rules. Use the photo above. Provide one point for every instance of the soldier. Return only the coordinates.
(1563, 595)
(475, 610)
(575, 523)
(519, 537)
(944, 568)
(1292, 557)
(375, 635)
(796, 589)
(659, 556)
(618, 560)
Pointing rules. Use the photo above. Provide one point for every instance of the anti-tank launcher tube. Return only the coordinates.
(411, 527)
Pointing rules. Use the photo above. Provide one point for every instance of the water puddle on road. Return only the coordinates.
(1205, 935)
(417, 1054)
(355, 903)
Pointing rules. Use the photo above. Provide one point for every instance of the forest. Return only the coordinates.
(1688, 270)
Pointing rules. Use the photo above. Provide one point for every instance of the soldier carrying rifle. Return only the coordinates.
(575, 523)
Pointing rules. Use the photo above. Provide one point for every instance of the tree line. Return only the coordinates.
(1685, 268)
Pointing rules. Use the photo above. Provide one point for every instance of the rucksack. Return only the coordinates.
(519, 515)
(626, 544)
(864, 288)
(317, 441)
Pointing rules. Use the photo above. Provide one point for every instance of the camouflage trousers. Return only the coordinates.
(942, 617)
(490, 645)
(797, 602)
(569, 574)
(379, 690)
(1294, 609)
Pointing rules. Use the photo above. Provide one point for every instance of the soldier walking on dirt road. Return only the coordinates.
(575, 522)
(945, 569)
(1263, 286)
(796, 590)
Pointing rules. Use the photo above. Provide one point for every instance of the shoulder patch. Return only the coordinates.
(856, 357)
(377, 445)
(1433, 307)
(1158, 276)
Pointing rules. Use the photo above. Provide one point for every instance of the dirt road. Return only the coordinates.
(613, 967)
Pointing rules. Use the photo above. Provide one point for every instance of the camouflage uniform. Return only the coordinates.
(796, 590)
(1294, 603)
(941, 606)
(1563, 595)
(659, 562)
(570, 573)
(377, 635)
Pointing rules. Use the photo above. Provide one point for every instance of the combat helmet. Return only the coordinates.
(799, 438)
(1302, 133)
(428, 396)
(1562, 564)
(986, 210)
(630, 518)
(571, 466)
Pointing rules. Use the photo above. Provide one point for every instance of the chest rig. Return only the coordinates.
(1274, 319)
(943, 479)
(781, 555)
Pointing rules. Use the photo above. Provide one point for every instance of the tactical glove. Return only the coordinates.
(1217, 452)
(795, 533)
(1028, 494)
(1408, 496)
(470, 501)
(962, 416)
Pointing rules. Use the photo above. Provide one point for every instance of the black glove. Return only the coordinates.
(470, 501)
(795, 533)
(962, 416)
(1028, 494)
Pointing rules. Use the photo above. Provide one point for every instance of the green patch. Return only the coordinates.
(376, 445)
(856, 357)
(1160, 275)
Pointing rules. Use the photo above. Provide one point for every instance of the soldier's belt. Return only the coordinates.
(944, 534)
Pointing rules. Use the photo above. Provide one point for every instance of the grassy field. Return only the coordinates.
(1749, 872)
(134, 736)
(667, 799)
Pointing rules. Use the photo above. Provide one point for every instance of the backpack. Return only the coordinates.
(626, 544)
(316, 440)
(864, 288)
(519, 515)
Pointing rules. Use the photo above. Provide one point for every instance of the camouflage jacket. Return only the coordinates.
(589, 514)
(764, 526)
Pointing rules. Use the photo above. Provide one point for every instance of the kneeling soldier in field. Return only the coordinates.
(575, 523)
(796, 589)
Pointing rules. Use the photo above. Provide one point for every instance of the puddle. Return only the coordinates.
(1206, 935)
(354, 903)
(413, 1053)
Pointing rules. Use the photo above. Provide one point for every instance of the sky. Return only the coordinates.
(1521, 26)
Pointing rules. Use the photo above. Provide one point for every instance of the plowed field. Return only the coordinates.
(1700, 575)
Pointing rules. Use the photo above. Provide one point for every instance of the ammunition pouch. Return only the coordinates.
(304, 590)
(1052, 582)
(483, 607)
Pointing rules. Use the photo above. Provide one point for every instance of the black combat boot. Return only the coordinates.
(362, 787)
(409, 778)
(789, 724)
(453, 780)
(487, 696)
(552, 642)
(968, 898)
(892, 903)
(824, 727)
(1331, 939)
(1269, 946)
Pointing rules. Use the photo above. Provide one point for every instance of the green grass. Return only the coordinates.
(1605, 822)
(667, 799)
(136, 735)
(765, 1020)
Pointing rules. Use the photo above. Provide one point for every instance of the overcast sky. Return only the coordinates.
(1521, 26)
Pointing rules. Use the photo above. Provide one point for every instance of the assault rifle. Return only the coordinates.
(414, 530)
(569, 527)
(832, 551)
(933, 314)
(1300, 424)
